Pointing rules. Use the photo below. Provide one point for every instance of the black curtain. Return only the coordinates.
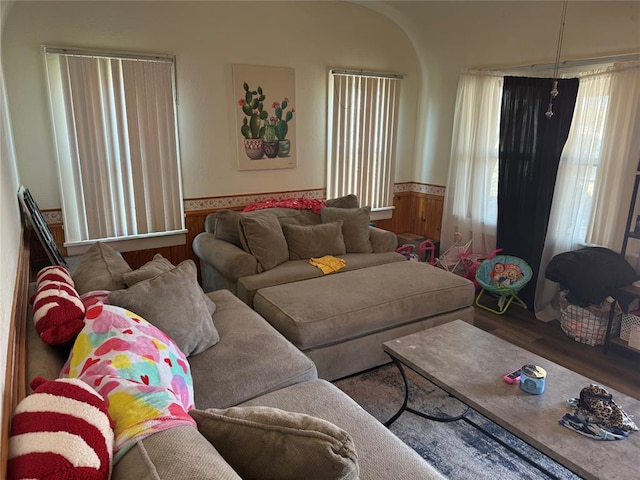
(530, 148)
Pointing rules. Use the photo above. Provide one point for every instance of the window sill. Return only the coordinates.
(381, 213)
(132, 243)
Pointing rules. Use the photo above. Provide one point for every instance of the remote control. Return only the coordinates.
(513, 377)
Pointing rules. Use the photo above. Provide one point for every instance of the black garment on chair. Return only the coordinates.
(591, 274)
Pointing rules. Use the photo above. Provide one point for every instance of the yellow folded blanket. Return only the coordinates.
(328, 263)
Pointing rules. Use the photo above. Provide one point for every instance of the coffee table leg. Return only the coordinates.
(405, 408)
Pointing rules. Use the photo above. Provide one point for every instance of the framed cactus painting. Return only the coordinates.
(265, 116)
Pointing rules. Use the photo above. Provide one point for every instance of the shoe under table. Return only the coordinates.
(340, 320)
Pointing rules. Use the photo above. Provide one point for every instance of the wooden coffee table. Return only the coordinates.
(469, 363)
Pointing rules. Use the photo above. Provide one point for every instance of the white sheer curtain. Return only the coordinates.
(471, 196)
(595, 174)
(620, 155)
(115, 125)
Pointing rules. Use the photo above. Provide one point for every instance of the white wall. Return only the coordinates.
(451, 37)
(9, 219)
(207, 38)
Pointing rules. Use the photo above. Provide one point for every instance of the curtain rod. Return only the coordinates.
(107, 54)
(365, 73)
(569, 63)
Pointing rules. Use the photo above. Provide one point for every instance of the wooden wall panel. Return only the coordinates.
(194, 223)
(417, 213)
(38, 255)
(403, 212)
(427, 215)
(15, 381)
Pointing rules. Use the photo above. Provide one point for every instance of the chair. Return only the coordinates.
(503, 276)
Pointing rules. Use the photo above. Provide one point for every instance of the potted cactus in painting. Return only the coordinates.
(283, 117)
(252, 129)
(271, 145)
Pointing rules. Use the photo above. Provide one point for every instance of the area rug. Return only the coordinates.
(457, 449)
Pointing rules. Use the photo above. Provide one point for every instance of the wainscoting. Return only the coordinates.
(418, 210)
(194, 223)
(417, 213)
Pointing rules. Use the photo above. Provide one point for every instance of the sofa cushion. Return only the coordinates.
(179, 453)
(227, 222)
(296, 270)
(347, 201)
(379, 301)
(265, 442)
(138, 369)
(157, 266)
(227, 226)
(235, 370)
(151, 269)
(62, 431)
(381, 455)
(174, 302)
(314, 240)
(290, 216)
(355, 227)
(100, 268)
(262, 237)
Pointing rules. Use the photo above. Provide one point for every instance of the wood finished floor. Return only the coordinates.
(619, 368)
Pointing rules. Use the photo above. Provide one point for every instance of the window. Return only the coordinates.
(579, 166)
(471, 204)
(115, 126)
(363, 119)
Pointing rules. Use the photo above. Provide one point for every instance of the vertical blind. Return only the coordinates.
(363, 120)
(116, 137)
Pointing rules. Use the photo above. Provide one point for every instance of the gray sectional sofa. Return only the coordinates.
(254, 367)
(244, 252)
(338, 319)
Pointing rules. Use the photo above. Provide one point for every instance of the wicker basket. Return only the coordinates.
(628, 320)
(587, 325)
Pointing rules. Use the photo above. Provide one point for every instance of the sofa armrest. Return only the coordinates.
(382, 240)
(230, 261)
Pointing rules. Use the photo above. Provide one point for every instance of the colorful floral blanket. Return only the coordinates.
(143, 376)
(315, 205)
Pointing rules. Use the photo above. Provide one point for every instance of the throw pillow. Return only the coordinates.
(265, 442)
(227, 226)
(62, 431)
(152, 269)
(141, 373)
(100, 268)
(55, 273)
(355, 227)
(58, 312)
(306, 241)
(348, 201)
(262, 237)
(174, 302)
(179, 453)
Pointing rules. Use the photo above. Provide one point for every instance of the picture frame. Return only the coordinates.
(265, 117)
(34, 216)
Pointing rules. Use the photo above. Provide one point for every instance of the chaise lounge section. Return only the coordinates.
(341, 321)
